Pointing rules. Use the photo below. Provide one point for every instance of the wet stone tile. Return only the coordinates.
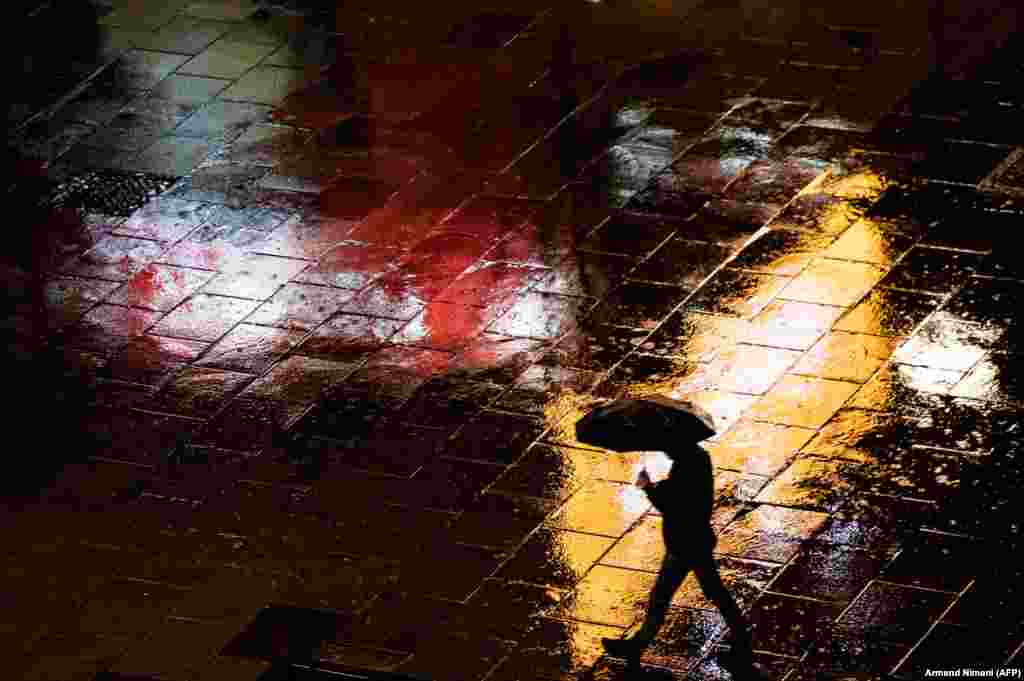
(626, 234)
(774, 182)
(873, 613)
(686, 635)
(491, 284)
(624, 505)
(451, 485)
(914, 209)
(663, 196)
(725, 407)
(300, 307)
(220, 182)
(557, 650)
(813, 483)
(792, 325)
(694, 335)
(198, 391)
(554, 558)
(839, 651)
(832, 572)
(204, 317)
(249, 348)
(815, 212)
(607, 595)
(497, 358)
(983, 231)
(758, 448)
(914, 473)
(769, 533)
(166, 219)
(985, 301)
(788, 625)
(254, 276)
(859, 435)
(223, 121)
(672, 129)
(933, 270)
(947, 647)
(98, 102)
(495, 437)
(541, 316)
(625, 169)
(750, 369)
(115, 257)
(105, 324)
(594, 347)
(876, 522)
(584, 274)
(996, 378)
(767, 114)
(350, 265)
(943, 344)
(159, 287)
(637, 305)
(140, 69)
(781, 252)
(148, 359)
(833, 282)
(641, 548)
(727, 222)
(182, 35)
(640, 374)
(385, 298)
(549, 473)
(888, 312)
(139, 124)
(444, 402)
(546, 390)
(710, 165)
(961, 162)
(348, 335)
(820, 143)
(912, 566)
(864, 242)
(895, 385)
(733, 292)
(172, 155)
(681, 263)
(265, 145)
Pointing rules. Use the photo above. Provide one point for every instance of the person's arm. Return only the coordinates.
(657, 492)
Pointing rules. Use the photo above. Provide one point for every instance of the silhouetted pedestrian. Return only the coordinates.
(685, 499)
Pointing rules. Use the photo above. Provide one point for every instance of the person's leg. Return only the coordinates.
(670, 577)
(711, 584)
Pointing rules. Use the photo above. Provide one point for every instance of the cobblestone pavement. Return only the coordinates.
(300, 349)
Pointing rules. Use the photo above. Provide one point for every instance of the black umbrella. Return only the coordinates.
(648, 423)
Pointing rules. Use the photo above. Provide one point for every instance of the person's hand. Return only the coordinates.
(643, 479)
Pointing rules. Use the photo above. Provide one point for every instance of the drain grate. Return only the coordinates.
(109, 192)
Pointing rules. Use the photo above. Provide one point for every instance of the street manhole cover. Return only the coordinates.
(108, 192)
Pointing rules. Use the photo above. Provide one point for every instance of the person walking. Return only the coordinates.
(685, 499)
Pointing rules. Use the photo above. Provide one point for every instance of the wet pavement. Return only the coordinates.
(306, 307)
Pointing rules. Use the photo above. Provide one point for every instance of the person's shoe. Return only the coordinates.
(623, 648)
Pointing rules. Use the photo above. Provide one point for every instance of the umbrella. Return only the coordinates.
(653, 422)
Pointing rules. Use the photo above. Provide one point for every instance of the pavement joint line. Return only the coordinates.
(934, 624)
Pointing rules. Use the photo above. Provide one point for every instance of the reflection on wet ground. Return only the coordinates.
(310, 309)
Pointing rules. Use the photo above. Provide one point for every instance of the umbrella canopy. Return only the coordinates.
(653, 422)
